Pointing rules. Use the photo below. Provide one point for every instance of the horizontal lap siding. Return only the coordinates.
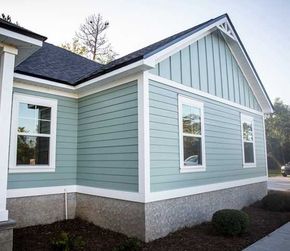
(66, 148)
(208, 65)
(108, 139)
(222, 142)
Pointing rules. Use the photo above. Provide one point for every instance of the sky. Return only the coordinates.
(263, 26)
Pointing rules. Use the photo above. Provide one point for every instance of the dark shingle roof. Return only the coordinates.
(54, 63)
(16, 28)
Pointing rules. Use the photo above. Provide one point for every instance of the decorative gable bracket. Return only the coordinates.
(226, 28)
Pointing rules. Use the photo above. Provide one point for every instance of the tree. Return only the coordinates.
(8, 18)
(91, 40)
(278, 134)
(75, 46)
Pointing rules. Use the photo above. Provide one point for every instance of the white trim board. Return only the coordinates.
(171, 194)
(182, 87)
(131, 196)
(143, 135)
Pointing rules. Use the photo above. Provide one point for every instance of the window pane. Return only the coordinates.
(43, 112)
(192, 151)
(191, 120)
(32, 150)
(26, 111)
(34, 119)
(249, 152)
(247, 131)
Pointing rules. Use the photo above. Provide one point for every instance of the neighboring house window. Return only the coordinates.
(33, 134)
(248, 138)
(191, 128)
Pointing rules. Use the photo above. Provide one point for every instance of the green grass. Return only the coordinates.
(273, 173)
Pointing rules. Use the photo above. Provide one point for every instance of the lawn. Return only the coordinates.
(274, 172)
(200, 237)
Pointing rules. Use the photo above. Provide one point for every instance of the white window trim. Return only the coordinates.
(52, 103)
(188, 101)
(249, 119)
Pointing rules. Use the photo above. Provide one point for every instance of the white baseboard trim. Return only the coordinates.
(131, 196)
(165, 195)
(38, 191)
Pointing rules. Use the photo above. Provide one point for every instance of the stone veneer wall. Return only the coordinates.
(37, 210)
(145, 221)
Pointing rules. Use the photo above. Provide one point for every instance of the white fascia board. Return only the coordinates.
(135, 67)
(20, 37)
(248, 71)
(160, 56)
(163, 54)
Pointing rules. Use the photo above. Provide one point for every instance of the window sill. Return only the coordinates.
(192, 169)
(34, 169)
(249, 166)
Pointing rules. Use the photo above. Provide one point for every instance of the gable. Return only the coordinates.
(209, 65)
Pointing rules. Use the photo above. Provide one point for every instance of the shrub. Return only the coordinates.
(65, 242)
(131, 244)
(230, 222)
(276, 201)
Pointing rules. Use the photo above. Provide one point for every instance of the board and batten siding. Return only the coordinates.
(108, 139)
(209, 65)
(223, 142)
(66, 148)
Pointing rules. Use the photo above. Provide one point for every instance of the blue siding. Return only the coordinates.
(223, 142)
(66, 148)
(108, 138)
(208, 65)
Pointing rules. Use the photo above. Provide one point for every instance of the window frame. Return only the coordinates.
(34, 100)
(182, 100)
(249, 119)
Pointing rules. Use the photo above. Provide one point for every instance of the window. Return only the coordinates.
(33, 134)
(248, 140)
(191, 128)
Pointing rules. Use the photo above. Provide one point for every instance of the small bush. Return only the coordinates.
(65, 242)
(230, 222)
(131, 244)
(277, 202)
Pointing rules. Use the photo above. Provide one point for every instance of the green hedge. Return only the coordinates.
(230, 222)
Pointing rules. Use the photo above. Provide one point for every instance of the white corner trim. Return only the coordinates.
(4, 215)
(265, 147)
(143, 135)
(28, 99)
(182, 87)
(38, 191)
(182, 100)
(170, 194)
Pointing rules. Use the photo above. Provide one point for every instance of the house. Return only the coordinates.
(149, 143)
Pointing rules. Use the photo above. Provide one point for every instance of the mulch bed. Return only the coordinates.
(201, 237)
